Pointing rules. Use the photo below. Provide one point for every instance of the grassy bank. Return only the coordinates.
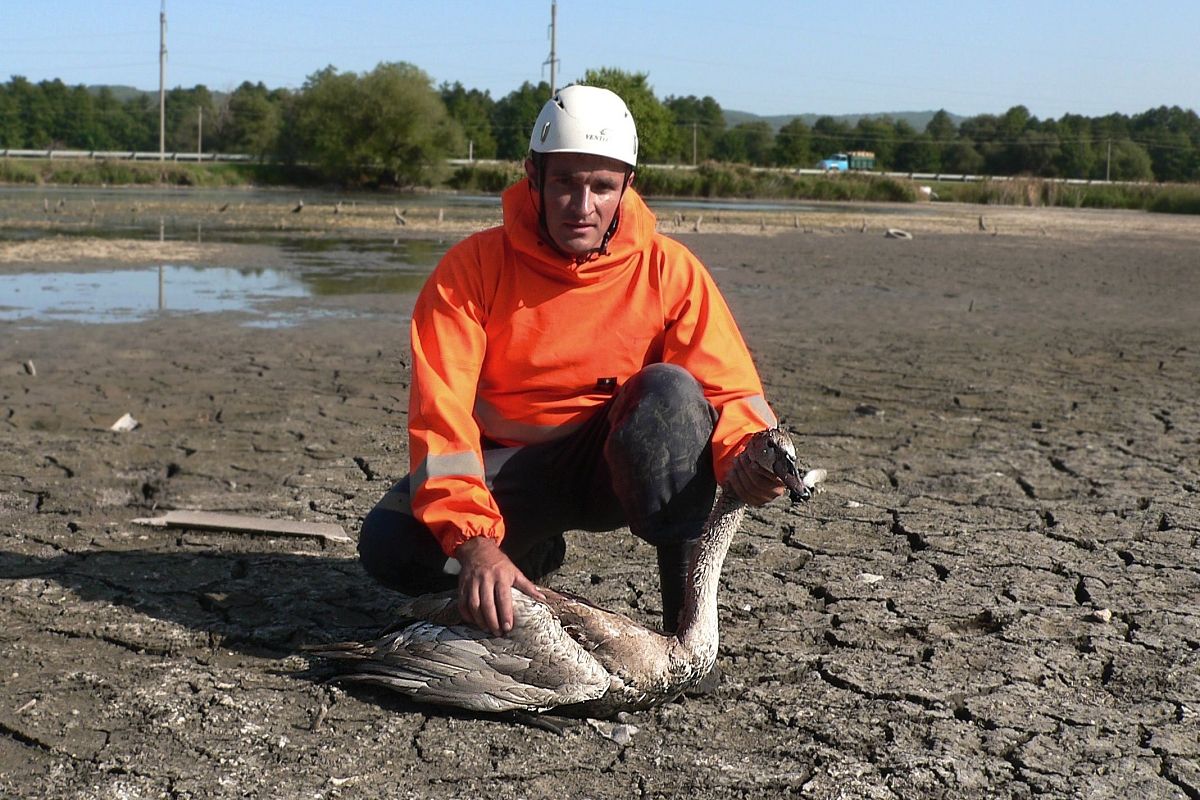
(101, 172)
(1163, 198)
(718, 180)
(722, 180)
(710, 180)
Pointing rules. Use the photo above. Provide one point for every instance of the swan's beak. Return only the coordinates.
(785, 468)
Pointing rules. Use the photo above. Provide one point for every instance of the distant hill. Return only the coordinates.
(917, 119)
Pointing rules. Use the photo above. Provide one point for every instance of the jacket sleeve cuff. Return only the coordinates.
(452, 539)
(723, 457)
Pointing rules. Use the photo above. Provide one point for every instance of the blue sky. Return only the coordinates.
(769, 57)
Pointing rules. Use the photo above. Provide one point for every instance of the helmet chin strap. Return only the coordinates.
(616, 220)
(544, 229)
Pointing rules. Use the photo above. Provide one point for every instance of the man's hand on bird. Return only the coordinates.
(753, 483)
(485, 585)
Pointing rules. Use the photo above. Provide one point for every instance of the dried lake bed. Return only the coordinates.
(996, 597)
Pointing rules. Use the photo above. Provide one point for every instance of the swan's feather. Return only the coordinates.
(536, 667)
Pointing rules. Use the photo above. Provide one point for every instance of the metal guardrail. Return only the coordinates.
(123, 155)
(956, 178)
(913, 176)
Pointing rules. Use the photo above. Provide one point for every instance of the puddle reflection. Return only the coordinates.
(132, 294)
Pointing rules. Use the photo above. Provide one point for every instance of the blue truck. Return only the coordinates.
(843, 162)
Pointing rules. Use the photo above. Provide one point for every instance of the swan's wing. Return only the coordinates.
(628, 650)
(536, 667)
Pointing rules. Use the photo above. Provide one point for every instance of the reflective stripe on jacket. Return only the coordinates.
(517, 343)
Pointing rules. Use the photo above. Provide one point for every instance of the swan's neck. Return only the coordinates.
(698, 632)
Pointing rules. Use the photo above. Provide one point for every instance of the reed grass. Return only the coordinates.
(709, 180)
(712, 180)
(104, 172)
(1163, 198)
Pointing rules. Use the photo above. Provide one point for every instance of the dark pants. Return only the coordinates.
(643, 460)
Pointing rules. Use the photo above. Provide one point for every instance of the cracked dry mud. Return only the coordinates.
(996, 597)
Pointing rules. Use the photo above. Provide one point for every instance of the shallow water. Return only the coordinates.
(313, 266)
(323, 268)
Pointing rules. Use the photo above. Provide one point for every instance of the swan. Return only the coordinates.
(564, 653)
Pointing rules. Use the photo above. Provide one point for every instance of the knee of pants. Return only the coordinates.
(659, 455)
(400, 553)
(377, 528)
(662, 406)
(670, 382)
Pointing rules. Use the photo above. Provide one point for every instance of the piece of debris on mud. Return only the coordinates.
(620, 732)
(125, 424)
(237, 523)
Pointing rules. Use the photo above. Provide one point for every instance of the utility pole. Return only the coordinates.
(1108, 162)
(693, 143)
(162, 82)
(199, 131)
(553, 59)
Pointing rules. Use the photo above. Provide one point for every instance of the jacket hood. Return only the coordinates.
(635, 230)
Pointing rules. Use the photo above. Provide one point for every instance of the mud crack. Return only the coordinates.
(24, 738)
(366, 468)
(916, 542)
(848, 685)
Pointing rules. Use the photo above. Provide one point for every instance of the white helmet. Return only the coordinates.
(586, 119)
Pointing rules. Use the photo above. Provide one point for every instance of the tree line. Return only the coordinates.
(393, 125)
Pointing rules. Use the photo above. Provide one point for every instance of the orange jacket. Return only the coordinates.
(510, 338)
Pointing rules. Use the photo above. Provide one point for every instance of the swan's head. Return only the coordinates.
(774, 450)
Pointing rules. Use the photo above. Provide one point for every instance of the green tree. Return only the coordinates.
(941, 127)
(962, 158)
(1016, 148)
(472, 110)
(116, 128)
(877, 134)
(10, 119)
(34, 124)
(793, 145)
(980, 129)
(981, 133)
(829, 136)
(1111, 127)
(1035, 153)
(1013, 123)
(658, 140)
(513, 118)
(55, 102)
(1171, 137)
(918, 153)
(1076, 151)
(183, 121)
(388, 124)
(79, 126)
(1130, 162)
(144, 115)
(747, 143)
(699, 122)
(254, 120)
